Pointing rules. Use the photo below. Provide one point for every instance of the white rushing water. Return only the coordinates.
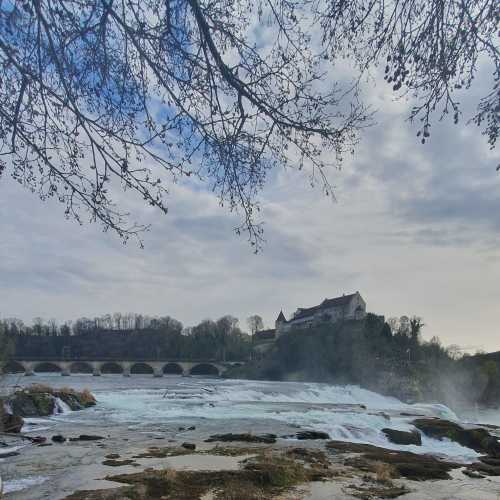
(346, 413)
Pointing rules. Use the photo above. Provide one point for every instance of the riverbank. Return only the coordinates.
(130, 464)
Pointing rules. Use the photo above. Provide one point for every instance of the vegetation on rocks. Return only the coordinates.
(261, 477)
(40, 400)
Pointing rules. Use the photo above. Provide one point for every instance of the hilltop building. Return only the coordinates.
(343, 308)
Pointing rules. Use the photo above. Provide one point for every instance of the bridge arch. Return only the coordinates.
(141, 369)
(81, 367)
(205, 369)
(111, 368)
(47, 367)
(173, 369)
(13, 367)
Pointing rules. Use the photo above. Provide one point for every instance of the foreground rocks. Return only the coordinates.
(477, 438)
(265, 476)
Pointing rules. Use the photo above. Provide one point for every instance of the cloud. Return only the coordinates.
(414, 229)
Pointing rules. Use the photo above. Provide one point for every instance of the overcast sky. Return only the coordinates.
(415, 230)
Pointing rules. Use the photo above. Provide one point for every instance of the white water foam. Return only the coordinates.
(14, 485)
(61, 407)
(336, 410)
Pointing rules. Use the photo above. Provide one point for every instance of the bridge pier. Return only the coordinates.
(96, 369)
(65, 369)
(28, 369)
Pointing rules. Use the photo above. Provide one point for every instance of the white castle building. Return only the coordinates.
(346, 307)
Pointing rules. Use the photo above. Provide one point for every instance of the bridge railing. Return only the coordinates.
(128, 359)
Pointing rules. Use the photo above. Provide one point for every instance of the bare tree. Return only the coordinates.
(96, 94)
(255, 324)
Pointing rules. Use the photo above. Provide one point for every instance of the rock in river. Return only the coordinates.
(312, 435)
(403, 437)
(247, 438)
(477, 438)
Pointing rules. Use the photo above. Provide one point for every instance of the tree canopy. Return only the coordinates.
(98, 94)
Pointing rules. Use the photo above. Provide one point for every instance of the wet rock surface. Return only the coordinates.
(477, 438)
(12, 423)
(87, 437)
(43, 401)
(303, 435)
(245, 437)
(403, 437)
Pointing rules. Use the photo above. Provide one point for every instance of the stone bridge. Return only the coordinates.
(125, 367)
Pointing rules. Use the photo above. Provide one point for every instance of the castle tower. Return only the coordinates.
(280, 323)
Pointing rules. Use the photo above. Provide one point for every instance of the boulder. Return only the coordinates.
(58, 438)
(38, 439)
(312, 435)
(12, 423)
(247, 438)
(189, 446)
(477, 438)
(403, 437)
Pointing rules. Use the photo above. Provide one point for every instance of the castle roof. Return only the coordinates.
(326, 304)
(281, 318)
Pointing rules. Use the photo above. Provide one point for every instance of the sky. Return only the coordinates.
(414, 228)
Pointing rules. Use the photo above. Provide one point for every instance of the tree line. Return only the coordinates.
(129, 335)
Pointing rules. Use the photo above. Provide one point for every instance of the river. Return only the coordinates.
(145, 404)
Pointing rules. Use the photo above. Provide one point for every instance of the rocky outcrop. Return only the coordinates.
(247, 438)
(42, 401)
(403, 437)
(477, 438)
